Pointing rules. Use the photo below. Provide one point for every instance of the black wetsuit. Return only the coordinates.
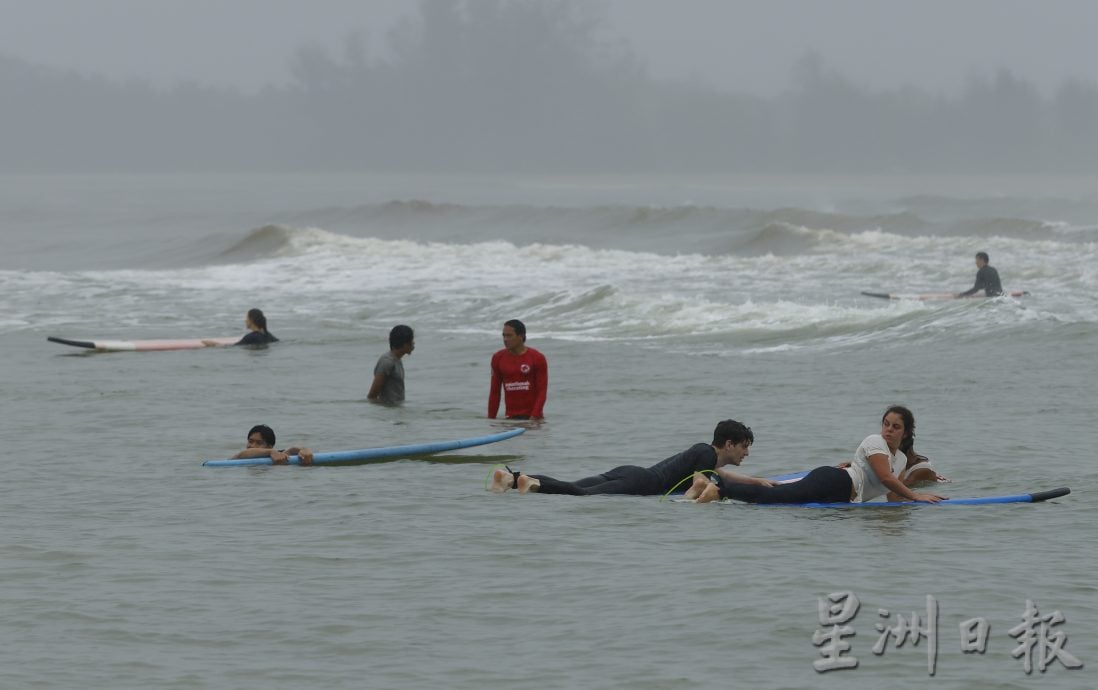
(637, 481)
(257, 338)
(821, 485)
(987, 279)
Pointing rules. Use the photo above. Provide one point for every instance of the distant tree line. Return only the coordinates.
(490, 86)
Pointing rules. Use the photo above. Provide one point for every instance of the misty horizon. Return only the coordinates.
(519, 87)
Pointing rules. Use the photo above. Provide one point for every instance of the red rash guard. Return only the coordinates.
(525, 381)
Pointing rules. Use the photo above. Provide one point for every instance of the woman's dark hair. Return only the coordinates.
(909, 424)
(265, 431)
(518, 327)
(256, 316)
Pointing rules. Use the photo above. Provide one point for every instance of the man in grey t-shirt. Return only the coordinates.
(388, 384)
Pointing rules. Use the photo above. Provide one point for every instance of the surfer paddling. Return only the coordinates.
(878, 464)
(731, 441)
(261, 441)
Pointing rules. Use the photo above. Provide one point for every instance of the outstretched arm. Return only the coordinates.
(975, 288)
(254, 453)
(278, 457)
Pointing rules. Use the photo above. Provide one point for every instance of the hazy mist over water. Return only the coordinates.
(562, 87)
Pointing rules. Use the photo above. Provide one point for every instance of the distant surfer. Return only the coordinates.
(875, 471)
(388, 384)
(257, 335)
(523, 374)
(261, 442)
(731, 441)
(987, 279)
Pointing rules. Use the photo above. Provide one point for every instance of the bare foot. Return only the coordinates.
(528, 484)
(709, 494)
(698, 485)
(502, 480)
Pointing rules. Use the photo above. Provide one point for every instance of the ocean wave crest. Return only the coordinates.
(269, 240)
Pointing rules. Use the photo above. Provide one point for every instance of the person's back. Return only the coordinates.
(257, 338)
(700, 457)
(988, 277)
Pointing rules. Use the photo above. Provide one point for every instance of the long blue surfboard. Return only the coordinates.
(365, 455)
(1036, 497)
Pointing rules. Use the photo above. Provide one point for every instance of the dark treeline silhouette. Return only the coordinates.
(490, 86)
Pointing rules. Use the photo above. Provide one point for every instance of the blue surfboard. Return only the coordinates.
(366, 455)
(1036, 497)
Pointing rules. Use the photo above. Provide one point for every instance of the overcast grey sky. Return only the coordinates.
(741, 45)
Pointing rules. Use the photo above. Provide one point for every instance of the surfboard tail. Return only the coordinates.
(1051, 493)
(75, 343)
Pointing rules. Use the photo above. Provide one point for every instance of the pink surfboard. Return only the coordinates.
(143, 345)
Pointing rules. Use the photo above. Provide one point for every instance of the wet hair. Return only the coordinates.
(265, 431)
(982, 256)
(518, 327)
(731, 430)
(909, 424)
(256, 316)
(400, 336)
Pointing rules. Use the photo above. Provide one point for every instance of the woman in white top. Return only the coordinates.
(876, 470)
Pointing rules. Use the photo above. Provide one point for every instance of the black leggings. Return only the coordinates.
(821, 485)
(627, 479)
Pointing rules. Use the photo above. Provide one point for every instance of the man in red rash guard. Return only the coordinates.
(522, 371)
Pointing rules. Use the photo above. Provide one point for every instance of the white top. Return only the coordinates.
(866, 484)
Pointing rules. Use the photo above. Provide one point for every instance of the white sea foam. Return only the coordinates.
(760, 303)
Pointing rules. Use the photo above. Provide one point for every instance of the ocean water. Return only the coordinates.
(663, 306)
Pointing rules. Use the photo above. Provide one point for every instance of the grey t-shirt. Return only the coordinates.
(392, 391)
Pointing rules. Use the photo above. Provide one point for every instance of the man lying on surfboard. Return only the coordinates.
(731, 441)
(261, 441)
